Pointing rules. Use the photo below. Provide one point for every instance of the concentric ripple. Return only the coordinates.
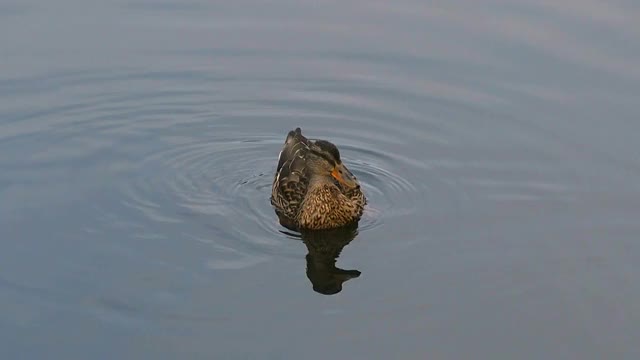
(190, 156)
(196, 163)
(224, 182)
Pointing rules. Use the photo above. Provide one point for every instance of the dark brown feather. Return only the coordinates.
(291, 183)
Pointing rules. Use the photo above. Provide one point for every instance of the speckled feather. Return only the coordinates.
(290, 182)
(325, 207)
(317, 204)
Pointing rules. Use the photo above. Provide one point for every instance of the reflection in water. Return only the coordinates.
(324, 248)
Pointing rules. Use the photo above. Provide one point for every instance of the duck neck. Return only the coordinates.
(317, 181)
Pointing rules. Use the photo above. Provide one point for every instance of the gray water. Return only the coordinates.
(496, 141)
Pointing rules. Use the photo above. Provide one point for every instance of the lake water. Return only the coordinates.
(496, 141)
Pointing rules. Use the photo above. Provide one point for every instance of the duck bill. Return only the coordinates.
(344, 176)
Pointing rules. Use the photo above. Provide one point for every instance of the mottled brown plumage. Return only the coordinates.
(312, 188)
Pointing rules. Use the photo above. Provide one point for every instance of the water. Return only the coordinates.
(496, 142)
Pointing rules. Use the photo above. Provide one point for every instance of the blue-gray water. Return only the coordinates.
(497, 142)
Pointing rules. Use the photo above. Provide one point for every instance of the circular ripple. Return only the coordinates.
(198, 163)
(388, 193)
(230, 178)
(227, 178)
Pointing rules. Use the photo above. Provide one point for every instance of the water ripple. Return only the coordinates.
(196, 162)
(230, 178)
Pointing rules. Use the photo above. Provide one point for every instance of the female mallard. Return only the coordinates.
(312, 188)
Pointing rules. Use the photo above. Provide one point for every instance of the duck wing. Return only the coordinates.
(295, 145)
(291, 181)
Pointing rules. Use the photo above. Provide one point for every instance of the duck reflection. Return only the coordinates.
(323, 249)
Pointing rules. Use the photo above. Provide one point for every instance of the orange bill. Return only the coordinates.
(336, 174)
(344, 176)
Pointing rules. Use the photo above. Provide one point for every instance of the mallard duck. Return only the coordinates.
(312, 188)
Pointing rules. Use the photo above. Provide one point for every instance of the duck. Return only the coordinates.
(312, 188)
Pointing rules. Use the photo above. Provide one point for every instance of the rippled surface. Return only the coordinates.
(496, 142)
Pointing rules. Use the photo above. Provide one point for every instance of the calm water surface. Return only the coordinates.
(497, 142)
